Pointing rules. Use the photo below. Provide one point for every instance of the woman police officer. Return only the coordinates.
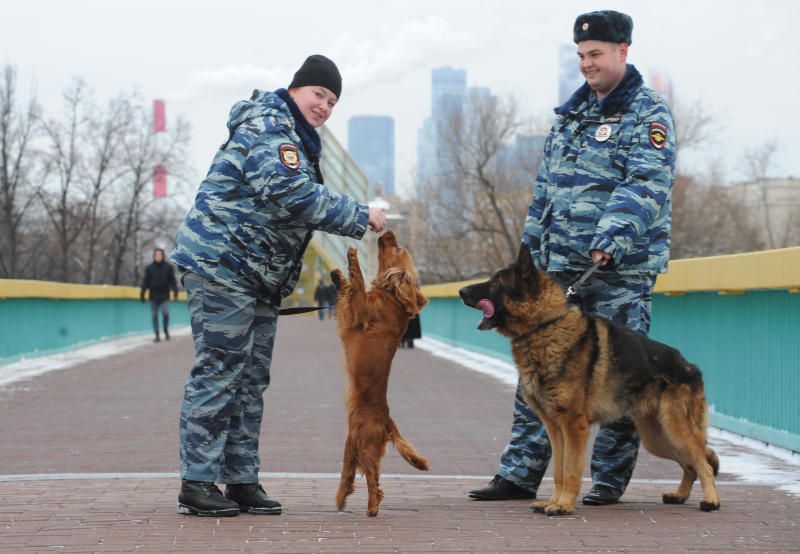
(240, 251)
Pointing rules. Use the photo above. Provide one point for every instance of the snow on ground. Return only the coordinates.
(32, 367)
(752, 461)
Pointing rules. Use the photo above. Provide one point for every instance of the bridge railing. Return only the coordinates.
(736, 316)
(42, 317)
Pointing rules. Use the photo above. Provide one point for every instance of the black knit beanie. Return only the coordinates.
(318, 70)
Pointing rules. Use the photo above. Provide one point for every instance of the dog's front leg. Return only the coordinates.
(575, 434)
(554, 434)
(358, 294)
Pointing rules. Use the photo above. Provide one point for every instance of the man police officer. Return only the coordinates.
(602, 194)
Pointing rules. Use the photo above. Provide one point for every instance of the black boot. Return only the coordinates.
(166, 327)
(203, 498)
(252, 498)
(501, 489)
(157, 339)
(601, 495)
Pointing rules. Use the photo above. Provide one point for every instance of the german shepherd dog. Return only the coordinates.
(576, 369)
(371, 325)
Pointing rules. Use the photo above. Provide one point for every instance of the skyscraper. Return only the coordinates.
(370, 141)
(569, 75)
(448, 88)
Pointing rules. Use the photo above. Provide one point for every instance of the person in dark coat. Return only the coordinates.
(332, 295)
(413, 331)
(321, 296)
(159, 278)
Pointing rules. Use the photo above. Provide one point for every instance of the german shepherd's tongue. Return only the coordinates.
(487, 307)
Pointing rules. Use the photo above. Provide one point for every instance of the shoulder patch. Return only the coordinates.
(290, 158)
(658, 135)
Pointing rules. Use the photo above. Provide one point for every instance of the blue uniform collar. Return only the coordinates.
(617, 101)
(312, 143)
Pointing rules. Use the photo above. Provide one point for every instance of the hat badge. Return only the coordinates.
(585, 26)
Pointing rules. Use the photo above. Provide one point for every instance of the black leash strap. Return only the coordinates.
(301, 310)
(573, 288)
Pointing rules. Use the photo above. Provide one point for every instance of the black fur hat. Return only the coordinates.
(605, 25)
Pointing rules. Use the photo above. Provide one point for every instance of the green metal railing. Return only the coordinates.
(38, 318)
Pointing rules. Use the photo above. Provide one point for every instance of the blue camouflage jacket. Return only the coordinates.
(605, 182)
(257, 208)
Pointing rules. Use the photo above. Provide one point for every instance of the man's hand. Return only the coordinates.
(598, 255)
(377, 220)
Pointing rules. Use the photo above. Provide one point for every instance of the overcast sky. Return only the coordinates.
(740, 60)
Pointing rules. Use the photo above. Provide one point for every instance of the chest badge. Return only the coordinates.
(289, 156)
(602, 133)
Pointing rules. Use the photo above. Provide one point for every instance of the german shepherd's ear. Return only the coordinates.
(525, 261)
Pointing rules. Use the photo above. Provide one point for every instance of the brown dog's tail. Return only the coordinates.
(405, 448)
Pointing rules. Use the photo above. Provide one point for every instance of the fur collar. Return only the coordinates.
(617, 101)
(312, 143)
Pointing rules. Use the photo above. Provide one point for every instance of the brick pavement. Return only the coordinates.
(119, 415)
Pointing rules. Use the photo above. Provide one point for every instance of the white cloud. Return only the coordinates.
(405, 48)
(364, 62)
(228, 80)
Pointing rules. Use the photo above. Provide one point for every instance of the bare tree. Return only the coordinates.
(18, 127)
(142, 150)
(758, 162)
(65, 203)
(474, 205)
(709, 219)
(695, 125)
(103, 171)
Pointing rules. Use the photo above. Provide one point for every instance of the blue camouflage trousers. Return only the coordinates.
(222, 407)
(625, 300)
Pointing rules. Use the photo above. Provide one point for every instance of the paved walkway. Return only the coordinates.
(88, 463)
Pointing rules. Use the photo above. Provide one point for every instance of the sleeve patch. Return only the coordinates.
(291, 159)
(658, 135)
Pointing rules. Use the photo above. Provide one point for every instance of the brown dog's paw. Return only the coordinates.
(352, 254)
(709, 506)
(539, 506)
(672, 498)
(559, 510)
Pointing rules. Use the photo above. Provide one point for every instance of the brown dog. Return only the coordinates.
(371, 325)
(576, 369)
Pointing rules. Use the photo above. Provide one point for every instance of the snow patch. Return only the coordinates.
(27, 368)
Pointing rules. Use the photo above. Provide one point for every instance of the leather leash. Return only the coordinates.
(300, 310)
(573, 288)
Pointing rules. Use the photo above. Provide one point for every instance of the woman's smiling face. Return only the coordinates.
(315, 103)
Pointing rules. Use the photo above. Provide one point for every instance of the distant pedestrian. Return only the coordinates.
(321, 296)
(330, 289)
(159, 278)
(241, 250)
(413, 332)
